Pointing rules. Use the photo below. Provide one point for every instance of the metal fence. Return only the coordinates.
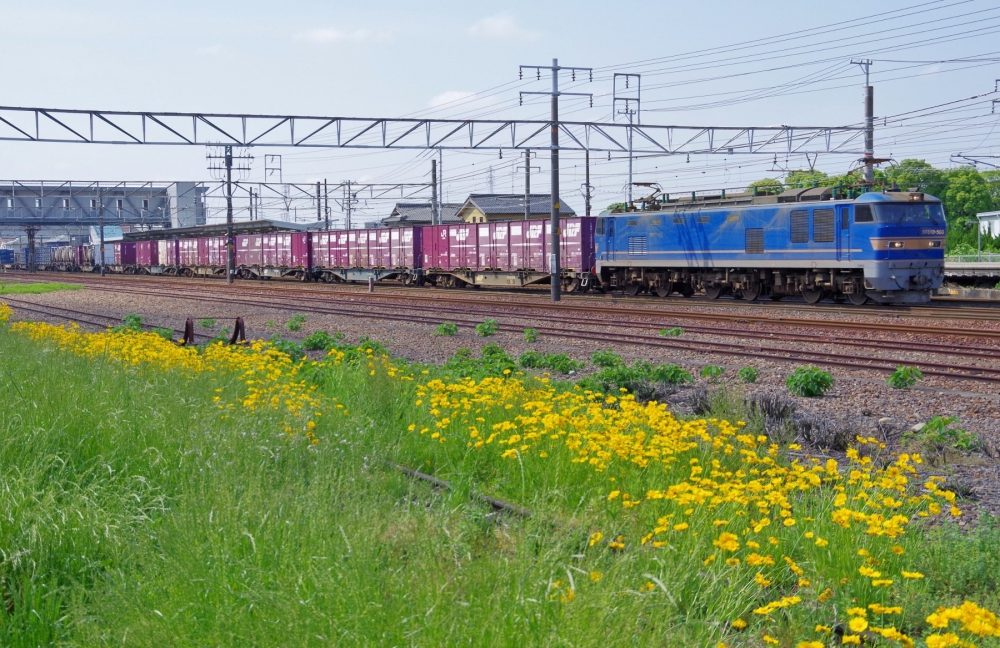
(985, 257)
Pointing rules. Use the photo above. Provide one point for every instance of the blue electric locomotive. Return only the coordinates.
(887, 247)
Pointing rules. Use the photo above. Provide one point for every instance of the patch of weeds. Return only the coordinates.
(606, 358)
(270, 324)
(676, 331)
(904, 377)
(207, 323)
(130, 323)
(939, 436)
(809, 381)
(530, 335)
(446, 328)
(293, 349)
(639, 378)
(318, 341)
(487, 328)
(295, 324)
(748, 374)
(165, 333)
(558, 362)
(713, 373)
(493, 361)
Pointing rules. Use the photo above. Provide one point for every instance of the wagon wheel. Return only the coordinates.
(751, 292)
(664, 289)
(632, 289)
(858, 299)
(571, 285)
(685, 289)
(812, 295)
(713, 292)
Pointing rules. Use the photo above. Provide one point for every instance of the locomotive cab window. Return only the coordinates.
(863, 214)
(599, 229)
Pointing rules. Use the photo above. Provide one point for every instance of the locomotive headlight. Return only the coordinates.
(895, 245)
(934, 244)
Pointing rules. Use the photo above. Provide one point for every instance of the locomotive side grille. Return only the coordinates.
(754, 240)
(637, 245)
(823, 226)
(800, 226)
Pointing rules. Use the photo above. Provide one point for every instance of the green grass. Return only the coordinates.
(36, 288)
(134, 514)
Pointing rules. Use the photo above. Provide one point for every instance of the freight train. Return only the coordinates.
(886, 247)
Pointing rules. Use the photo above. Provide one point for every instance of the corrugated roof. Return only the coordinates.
(421, 213)
(514, 204)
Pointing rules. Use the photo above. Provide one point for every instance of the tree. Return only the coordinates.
(917, 175)
(801, 177)
(766, 186)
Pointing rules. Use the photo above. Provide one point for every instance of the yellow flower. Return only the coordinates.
(851, 639)
(857, 624)
(911, 575)
(760, 580)
(727, 542)
(595, 538)
(596, 576)
(613, 494)
(768, 639)
(810, 644)
(739, 624)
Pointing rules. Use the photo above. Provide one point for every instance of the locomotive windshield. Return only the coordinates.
(909, 213)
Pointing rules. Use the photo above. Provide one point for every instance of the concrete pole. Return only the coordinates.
(555, 275)
(527, 185)
(230, 239)
(435, 217)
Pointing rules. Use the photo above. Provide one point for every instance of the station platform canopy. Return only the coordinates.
(243, 227)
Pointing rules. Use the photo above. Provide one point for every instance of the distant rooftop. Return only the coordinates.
(490, 204)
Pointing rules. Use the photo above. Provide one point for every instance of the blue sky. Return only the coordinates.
(401, 58)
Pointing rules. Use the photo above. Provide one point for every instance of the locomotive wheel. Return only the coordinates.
(858, 299)
(664, 289)
(713, 292)
(571, 285)
(750, 293)
(812, 295)
(632, 289)
(685, 289)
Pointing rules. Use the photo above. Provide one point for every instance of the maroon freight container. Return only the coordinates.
(500, 246)
(434, 244)
(277, 250)
(405, 248)
(147, 253)
(168, 252)
(379, 250)
(124, 253)
(83, 255)
(462, 246)
(535, 246)
(188, 252)
(249, 250)
(217, 255)
(357, 248)
(576, 244)
(340, 251)
(301, 253)
(320, 243)
(518, 245)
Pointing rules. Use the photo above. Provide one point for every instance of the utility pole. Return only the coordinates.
(348, 199)
(319, 203)
(629, 112)
(100, 224)
(326, 203)
(554, 274)
(490, 179)
(441, 183)
(527, 182)
(586, 182)
(230, 239)
(869, 173)
(435, 218)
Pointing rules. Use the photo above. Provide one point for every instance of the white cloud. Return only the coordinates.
(501, 27)
(325, 35)
(460, 100)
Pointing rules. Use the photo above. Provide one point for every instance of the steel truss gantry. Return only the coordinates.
(57, 125)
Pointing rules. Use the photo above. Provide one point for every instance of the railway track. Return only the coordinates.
(772, 353)
(941, 311)
(665, 315)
